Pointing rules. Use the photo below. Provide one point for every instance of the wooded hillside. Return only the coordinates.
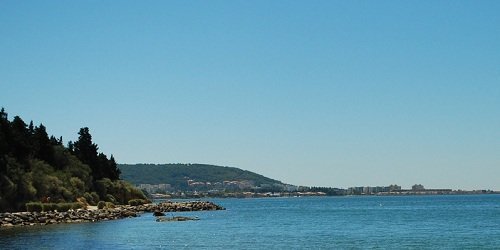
(177, 174)
(36, 167)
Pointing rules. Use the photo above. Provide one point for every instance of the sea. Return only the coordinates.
(349, 222)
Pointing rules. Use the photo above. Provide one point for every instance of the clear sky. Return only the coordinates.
(324, 93)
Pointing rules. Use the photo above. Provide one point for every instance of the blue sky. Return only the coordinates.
(324, 93)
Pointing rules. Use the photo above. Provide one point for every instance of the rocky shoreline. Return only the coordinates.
(94, 215)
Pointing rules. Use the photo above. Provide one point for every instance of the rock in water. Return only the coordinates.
(158, 213)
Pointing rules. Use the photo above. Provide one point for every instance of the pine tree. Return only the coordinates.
(86, 151)
(4, 145)
(4, 131)
(114, 171)
(43, 146)
(3, 114)
(20, 140)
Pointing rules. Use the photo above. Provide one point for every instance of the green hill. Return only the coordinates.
(178, 174)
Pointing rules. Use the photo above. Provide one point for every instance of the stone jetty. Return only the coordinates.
(175, 218)
(94, 215)
(180, 206)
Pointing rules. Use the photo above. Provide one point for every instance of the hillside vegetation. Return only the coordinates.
(178, 174)
(36, 167)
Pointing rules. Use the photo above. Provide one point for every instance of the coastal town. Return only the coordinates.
(247, 189)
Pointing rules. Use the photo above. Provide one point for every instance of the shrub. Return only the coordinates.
(137, 202)
(101, 204)
(110, 198)
(46, 207)
(34, 207)
(49, 207)
(63, 207)
(95, 198)
(78, 205)
(110, 205)
(91, 198)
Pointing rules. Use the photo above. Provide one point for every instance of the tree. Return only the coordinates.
(108, 168)
(20, 139)
(113, 172)
(86, 151)
(34, 167)
(4, 145)
(43, 148)
(31, 128)
(56, 142)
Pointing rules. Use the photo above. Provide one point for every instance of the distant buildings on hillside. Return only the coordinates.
(245, 188)
(155, 188)
(240, 185)
(223, 186)
(231, 185)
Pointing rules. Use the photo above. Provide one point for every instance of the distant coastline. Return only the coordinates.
(166, 181)
(198, 195)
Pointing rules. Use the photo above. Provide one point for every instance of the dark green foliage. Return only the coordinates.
(137, 202)
(77, 205)
(43, 148)
(46, 207)
(85, 149)
(177, 174)
(110, 198)
(118, 191)
(111, 170)
(63, 207)
(20, 139)
(110, 204)
(87, 152)
(36, 167)
(101, 204)
(4, 134)
(34, 207)
(91, 198)
(49, 207)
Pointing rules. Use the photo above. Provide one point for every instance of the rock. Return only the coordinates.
(176, 218)
(83, 215)
(23, 216)
(128, 214)
(158, 213)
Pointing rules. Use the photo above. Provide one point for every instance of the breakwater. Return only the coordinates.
(94, 215)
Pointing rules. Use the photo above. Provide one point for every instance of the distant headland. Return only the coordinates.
(202, 180)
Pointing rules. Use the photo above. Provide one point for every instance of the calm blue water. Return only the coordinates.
(410, 222)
